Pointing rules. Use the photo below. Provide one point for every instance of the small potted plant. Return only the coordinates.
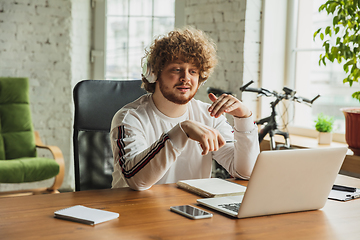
(324, 125)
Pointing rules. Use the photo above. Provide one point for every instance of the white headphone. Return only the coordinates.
(147, 72)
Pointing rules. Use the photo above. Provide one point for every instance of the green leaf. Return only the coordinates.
(322, 7)
(316, 33)
(353, 68)
(327, 46)
(339, 59)
(346, 65)
(338, 40)
(332, 7)
(356, 74)
(321, 36)
(327, 30)
(334, 51)
(323, 61)
(356, 95)
(335, 20)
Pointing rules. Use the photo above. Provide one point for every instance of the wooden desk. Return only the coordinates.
(146, 215)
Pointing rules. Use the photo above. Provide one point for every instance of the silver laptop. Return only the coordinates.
(285, 181)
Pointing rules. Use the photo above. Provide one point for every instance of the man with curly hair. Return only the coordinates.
(166, 135)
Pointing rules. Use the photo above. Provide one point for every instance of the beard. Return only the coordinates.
(172, 97)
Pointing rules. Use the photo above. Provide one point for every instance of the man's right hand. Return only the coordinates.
(209, 138)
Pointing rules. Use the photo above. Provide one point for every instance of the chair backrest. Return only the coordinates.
(96, 102)
(16, 130)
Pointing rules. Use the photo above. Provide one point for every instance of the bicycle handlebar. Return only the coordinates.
(257, 90)
(246, 85)
(288, 93)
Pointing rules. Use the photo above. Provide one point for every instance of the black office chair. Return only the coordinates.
(96, 102)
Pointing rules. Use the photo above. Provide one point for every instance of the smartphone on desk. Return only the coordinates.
(191, 212)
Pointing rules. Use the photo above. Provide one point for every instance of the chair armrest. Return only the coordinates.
(58, 157)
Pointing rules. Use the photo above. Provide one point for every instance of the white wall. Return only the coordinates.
(273, 52)
(47, 41)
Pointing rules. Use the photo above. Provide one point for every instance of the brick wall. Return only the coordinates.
(235, 26)
(47, 41)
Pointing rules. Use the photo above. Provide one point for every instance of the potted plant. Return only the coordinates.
(346, 28)
(324, 125)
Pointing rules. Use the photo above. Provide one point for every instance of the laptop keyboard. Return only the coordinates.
(231, 206)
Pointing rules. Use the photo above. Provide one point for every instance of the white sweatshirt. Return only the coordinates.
(151, 148)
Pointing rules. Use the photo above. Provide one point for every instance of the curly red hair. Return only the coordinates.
(188, 45)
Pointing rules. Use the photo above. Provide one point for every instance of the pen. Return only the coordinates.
(343, 188)
(230, 141)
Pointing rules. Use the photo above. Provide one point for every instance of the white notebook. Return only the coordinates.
(212, 187)
(86, 215)
(344, 196)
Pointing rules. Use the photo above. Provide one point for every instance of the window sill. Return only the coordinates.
(350, 167)
(312, 133)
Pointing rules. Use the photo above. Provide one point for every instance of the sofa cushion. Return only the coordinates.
(27, 170)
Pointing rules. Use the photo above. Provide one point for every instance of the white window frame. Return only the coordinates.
(98, 51)
(279, 30)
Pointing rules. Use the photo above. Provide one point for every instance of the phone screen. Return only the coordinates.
(191, 212)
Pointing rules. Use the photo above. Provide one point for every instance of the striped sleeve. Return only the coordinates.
(129, 172)
(139, 164)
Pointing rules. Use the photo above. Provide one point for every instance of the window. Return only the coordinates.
(311, 79)
(122, 30)
(131, 27)
(290, 57)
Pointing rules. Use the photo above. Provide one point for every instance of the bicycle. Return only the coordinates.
(270, 123)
